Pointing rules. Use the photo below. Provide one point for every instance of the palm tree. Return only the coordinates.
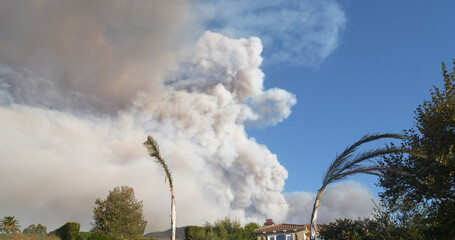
(347, 164)
(9, 225)
(154, 152)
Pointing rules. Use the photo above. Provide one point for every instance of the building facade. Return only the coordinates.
(282, 231)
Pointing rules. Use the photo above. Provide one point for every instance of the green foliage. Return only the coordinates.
(397, 226)
(119, 215)
(20, 236)
(35, 229)
(347, 163)
(424, 198)
(195, 233)
(225, 229)
(9, 225)
(348, 229)
(95, 236)
(69, 231)
(383, 227)
(248, 230)
(154, 152)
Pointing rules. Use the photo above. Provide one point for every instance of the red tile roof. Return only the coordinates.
(281, 227)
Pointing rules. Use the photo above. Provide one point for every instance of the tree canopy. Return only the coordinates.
(35, 230)
(223, 229)
(425, 196)
(119, 215)
(9, 224)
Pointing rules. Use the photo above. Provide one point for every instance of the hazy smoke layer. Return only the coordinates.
(340, 200)
(95, 52)
(82, 84)
(300, 32)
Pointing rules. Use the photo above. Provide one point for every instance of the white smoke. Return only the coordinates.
(200, 128)
(347, 199)
(83, 83)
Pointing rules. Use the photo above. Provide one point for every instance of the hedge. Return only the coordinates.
(69, 231)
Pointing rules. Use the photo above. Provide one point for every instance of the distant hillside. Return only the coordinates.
(179, 234)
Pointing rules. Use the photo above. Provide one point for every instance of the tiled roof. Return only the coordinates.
(281, 227)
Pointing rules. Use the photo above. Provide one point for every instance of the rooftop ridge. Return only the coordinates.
(282, 226)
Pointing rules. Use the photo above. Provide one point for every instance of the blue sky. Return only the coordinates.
(388, 58)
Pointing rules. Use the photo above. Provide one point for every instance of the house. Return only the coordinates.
(283, 231)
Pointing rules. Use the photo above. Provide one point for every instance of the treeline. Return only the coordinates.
(224, 229)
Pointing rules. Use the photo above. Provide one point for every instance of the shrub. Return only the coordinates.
(195, 232)
(94, 236)
(35, 230)
(69, 231)
(20, 236)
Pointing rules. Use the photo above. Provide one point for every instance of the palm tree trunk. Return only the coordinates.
(173, 215)
(314, 214)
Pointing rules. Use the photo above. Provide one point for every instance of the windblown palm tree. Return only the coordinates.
(9, 225)
(347, 164)
(154, 151)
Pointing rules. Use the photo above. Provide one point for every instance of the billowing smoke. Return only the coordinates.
(82, 84)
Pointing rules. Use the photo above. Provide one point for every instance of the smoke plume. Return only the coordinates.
(82, 83)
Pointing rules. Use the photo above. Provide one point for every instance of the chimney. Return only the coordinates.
(269, 222)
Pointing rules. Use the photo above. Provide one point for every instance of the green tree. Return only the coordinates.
(35, 230)
(119, 215)
(383, 226)
(396, 226)
(9, 225)
(347, 164)
(249, 228)
(348, 229)
(154, 152)
(425, 197)
(223, 229)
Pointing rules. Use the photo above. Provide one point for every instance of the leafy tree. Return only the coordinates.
(223, 229)
(9, 225)
(119, 215)
(384, 226)
(69, 231)
(154, 152)
(35, 230)
(248, 229)
(347, 164)
(425, 197)
(396, 226)
(349, 229)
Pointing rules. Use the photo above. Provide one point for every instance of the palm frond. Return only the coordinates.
(345, 162)
(154, 152)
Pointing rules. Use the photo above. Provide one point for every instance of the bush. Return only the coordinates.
(20, 236)
(94, 236)
(69, 231)
(195, 232)
(222, 229)
(35, 230)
